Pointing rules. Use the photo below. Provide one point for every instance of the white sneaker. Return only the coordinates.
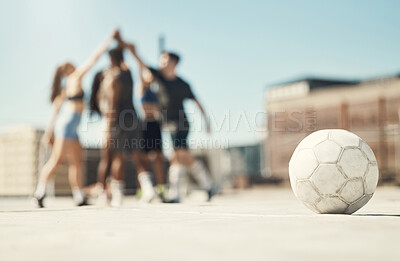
(148, 192)
(116, 199)
(147, 196)
(117, 190)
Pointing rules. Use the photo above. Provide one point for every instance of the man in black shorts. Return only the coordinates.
(171, 93)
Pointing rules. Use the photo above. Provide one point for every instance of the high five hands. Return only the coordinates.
(130, 46)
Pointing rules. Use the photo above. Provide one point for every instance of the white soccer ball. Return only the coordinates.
(333, 172)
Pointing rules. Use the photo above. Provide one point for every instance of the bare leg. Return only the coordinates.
(141, 161)
(104, 167)
(75, 170)
(55, 160)
(117, 166)
(49, 169)
(183, 157)
(159, 168)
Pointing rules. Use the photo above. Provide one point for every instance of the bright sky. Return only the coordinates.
(231, 50)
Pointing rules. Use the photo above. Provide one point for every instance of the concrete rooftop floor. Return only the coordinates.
(263, 223)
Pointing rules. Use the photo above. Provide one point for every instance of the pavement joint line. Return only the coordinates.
(153, 211)
(235, 214)
(38, 210)
(222, 214)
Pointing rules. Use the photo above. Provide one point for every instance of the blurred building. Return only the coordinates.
(19, 147)
(22, 155)
(235, 166)
(368, 108)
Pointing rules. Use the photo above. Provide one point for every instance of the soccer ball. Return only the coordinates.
(333, 172)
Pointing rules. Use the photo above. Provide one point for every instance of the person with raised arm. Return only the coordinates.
(124, 132)
(67, 99)
(172, 91)
(152, 137)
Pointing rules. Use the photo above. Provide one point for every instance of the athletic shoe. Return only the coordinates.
(38, 202)
(117, 193)
(84, 202)
(148, 196)
(160, 190)
(171, 201)
(212, 192)
(116, 198)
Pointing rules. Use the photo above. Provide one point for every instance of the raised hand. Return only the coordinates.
(131, 47)
(116, 35)
(118, 38)
(102, 48)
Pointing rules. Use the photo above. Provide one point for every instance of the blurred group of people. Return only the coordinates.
(124, 133)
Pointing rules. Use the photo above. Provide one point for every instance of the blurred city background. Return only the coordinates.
(268, 72)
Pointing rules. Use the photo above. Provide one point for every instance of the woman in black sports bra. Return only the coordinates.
(62, 133)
